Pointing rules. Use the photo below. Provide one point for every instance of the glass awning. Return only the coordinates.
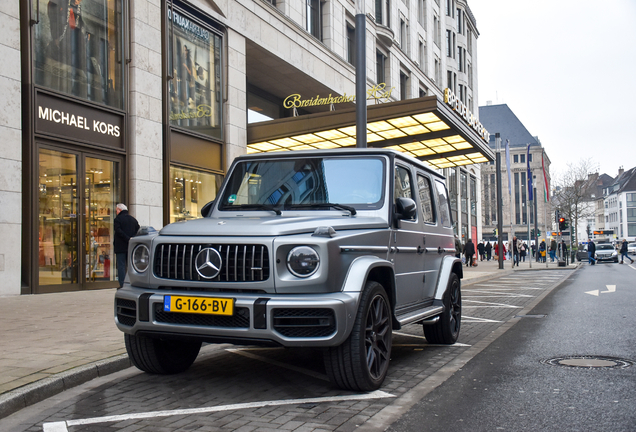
(425, 128)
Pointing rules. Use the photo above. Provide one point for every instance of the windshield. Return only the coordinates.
(280, 184)
(605, 247)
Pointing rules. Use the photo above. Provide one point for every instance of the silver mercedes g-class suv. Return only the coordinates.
(331, 249)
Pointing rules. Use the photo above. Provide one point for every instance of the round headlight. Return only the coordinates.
(303, 261)
(140, 258)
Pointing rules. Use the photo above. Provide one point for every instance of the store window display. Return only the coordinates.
(191, 190)
(195, 83)
(79, 49)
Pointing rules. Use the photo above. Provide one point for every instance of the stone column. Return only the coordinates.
(145, 154)
(10, 150)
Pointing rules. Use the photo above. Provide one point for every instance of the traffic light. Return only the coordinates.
(538, 232)
(561, 224)
(532, 233)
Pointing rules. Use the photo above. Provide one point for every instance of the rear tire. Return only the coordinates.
(446, 329)
(159, 356)
(362, 361)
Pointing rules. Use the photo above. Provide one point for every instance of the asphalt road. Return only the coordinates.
(511, 386)
(255, 389)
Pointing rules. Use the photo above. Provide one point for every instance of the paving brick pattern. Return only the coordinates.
(222, 377)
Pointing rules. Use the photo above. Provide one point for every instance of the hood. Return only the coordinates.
(254, 226)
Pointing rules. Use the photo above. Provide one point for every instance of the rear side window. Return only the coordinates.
(426, 198)
(444, 209)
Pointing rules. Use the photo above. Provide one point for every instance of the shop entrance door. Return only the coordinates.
(75, 220)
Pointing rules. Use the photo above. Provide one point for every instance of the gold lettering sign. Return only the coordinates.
(461, 109)
(377, 92)
(200, 111)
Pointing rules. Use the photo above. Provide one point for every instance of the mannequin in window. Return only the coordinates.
(68, 45)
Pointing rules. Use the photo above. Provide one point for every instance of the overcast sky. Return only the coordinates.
(567, 69)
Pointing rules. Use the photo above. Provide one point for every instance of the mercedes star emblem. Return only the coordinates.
(208, 263)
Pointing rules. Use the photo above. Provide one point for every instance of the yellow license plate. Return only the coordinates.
(200, 305)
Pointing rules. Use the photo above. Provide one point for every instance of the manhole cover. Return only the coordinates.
(589, 362)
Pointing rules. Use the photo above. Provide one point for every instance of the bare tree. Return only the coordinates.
(573, 192)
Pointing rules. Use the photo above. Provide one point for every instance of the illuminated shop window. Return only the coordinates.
(195, 87)
(79, 49)
(190, 191)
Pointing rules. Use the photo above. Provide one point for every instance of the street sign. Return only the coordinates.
(603, 232)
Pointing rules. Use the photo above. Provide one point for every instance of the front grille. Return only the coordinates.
(240, 319)
(126, 312)
(240, 263)
(304, 323)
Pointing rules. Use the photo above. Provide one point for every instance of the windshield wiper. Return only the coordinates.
(269, 207)
(321, 205)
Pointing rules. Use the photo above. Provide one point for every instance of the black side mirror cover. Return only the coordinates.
(405, 208)
(207, 209)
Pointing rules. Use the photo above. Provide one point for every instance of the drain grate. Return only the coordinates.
(531, 316)
(589, 362)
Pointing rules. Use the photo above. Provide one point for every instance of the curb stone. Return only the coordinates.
(30, 394)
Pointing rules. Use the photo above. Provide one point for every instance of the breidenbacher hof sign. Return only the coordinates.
(461, 109)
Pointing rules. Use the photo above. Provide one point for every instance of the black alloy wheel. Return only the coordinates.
(446, 329)
(362, 361)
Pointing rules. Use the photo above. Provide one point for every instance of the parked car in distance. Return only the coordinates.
(606, 252)
(327, 249)
(581, 253)
(631, 248)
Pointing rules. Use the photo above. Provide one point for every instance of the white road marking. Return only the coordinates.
(245, 352)
(495, 294)
(475, 319)
(610, 289)
(488, 304)
(62, 426)
(502, 289)
(422, 337)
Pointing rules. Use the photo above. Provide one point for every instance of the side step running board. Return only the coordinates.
(420, 315)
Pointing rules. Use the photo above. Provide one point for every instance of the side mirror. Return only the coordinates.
(405, 208)
(207, 209)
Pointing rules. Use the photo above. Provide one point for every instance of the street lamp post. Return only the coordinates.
(361, 76)
(499, 202)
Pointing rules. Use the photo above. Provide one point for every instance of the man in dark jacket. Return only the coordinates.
(481, 250)
(469, 251)
(488, 249)
(126, 227)
(624, 252)
(591, 252)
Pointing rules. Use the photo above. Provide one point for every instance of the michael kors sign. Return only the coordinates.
(65, 119)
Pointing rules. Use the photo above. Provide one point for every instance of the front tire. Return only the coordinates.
(446, 329)
(362, 361)
(158, 356)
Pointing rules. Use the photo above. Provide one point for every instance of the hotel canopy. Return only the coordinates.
(425, 128)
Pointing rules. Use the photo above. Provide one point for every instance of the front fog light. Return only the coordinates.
(140, 258)
(303, 261)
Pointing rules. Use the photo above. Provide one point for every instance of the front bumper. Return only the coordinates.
(318, 320)
(606, 258)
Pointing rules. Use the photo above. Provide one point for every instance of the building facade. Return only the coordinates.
(620, 206)
(147, 102)
(524, 150)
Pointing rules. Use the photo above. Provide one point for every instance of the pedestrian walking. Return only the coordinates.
(542, 251)
(624, 252)
(481, 249)
(553, 248)
(563, 249)
(515, 252)
(591, 252)
(533, 247)
(469, 252)
(488, 249)
(126, 227)
(522, 252)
